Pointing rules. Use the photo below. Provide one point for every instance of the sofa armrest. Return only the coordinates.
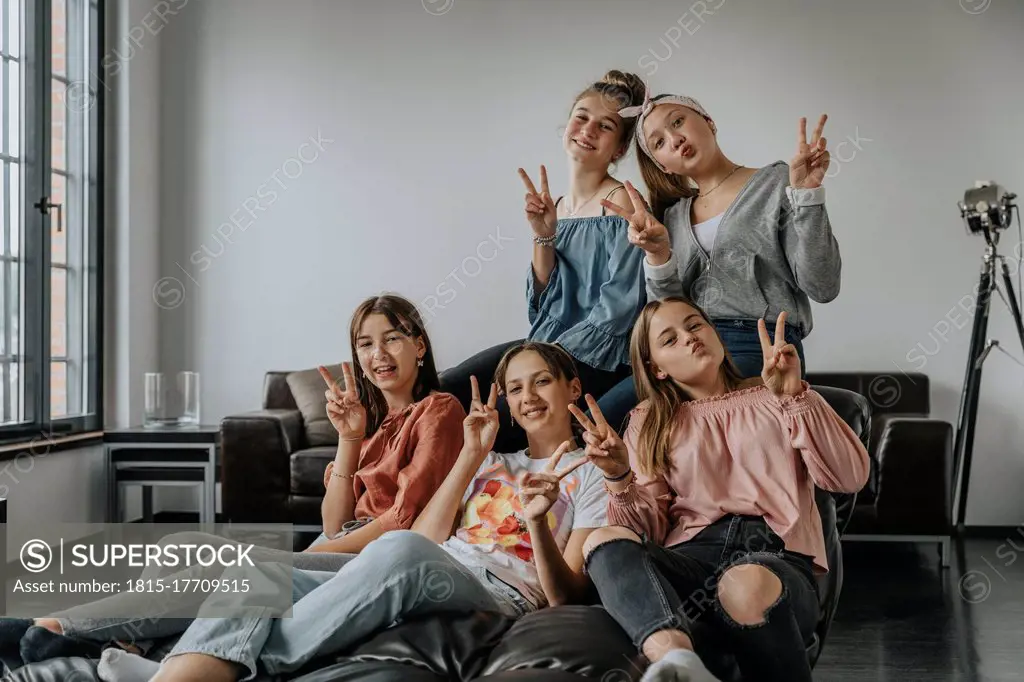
(255, 464)
(915, 475)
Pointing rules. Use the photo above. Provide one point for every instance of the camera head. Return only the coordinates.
(987, 207)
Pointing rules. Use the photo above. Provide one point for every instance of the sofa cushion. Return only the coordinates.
(307, 469)
(308, 389)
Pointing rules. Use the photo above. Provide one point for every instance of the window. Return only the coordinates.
(50, 192)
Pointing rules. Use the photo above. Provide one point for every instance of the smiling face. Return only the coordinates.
(538, 399)
(683, 346)
(680, 139)
(387, 355)
(593, 135)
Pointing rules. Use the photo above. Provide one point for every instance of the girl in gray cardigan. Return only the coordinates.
(742, 243)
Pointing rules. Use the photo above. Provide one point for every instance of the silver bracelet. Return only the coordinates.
(544, 241)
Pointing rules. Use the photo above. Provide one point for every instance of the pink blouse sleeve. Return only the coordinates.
(643, 505)
(833, 454)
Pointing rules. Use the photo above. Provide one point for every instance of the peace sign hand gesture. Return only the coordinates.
(807, 168)
(480, 427)
(538, 491)
(781, 373)
(344, 410)
(644, 230)
(604, 447)
(540, 208)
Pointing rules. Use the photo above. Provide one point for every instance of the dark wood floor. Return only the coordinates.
(902, 619)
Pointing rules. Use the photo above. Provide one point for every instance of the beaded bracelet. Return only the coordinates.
(544, 241)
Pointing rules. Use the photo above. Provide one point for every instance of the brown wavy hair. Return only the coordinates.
(664, 397)
(406, 318)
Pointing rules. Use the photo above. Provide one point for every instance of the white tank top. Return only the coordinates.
(705, 232)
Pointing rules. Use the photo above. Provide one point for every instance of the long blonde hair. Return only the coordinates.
(664, 397)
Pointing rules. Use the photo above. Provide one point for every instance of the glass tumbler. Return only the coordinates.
(188, 388)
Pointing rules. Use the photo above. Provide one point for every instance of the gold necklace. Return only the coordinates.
(572, 213)
(701, 196)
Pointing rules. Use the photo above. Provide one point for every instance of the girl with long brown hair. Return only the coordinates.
(398, 438)
(712, 512)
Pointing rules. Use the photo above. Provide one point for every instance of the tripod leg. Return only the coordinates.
(963, 448)
(1014, 309)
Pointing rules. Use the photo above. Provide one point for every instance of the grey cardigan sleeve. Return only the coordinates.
(810, 246)
(663, 280)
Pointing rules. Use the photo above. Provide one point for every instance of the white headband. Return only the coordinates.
(644, 109)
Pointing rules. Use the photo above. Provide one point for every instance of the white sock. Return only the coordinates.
(678, 665)
(117, 665)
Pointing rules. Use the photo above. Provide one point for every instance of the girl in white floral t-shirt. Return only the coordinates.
(512, 528)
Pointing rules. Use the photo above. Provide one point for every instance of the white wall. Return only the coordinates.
(429, 115)
(133, 216)
(66, 487)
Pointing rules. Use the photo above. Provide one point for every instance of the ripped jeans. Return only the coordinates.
(647, 588)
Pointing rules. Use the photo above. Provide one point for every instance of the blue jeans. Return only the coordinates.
(164, 617)
(399, 575)
(744, 347)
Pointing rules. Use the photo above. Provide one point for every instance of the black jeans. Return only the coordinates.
(647, 588)
(511, 437)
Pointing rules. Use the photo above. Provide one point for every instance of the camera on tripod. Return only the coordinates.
(987, 207)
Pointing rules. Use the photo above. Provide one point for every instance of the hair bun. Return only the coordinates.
(630, 82)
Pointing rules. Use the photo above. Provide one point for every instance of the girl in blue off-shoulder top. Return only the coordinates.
(585, 284)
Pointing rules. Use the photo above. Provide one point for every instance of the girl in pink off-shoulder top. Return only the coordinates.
(711, 499)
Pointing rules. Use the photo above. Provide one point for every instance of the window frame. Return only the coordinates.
(35, 257)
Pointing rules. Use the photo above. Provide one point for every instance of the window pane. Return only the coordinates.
(58, 389)
(11, 381)
(12, 209)
(58, 312)
(12, 140)
(5, 235)
(58, 240)
(58, 126)
(58, 40)
(10, 402)
(3, 310)
(13, 27)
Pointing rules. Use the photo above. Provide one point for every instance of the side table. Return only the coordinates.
(162, 457)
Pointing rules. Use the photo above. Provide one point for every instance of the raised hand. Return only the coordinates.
(644, 230)
(807, 168)
(538, 491)
(781, 373)
(604, 447)
(480, 427)
(347, 414)
(540, 208)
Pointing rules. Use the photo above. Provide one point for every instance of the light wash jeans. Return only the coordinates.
(399, 575)
(165, 617)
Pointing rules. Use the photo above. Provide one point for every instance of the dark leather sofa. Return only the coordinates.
(564, 643)
(908, 497)
(271, 474)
